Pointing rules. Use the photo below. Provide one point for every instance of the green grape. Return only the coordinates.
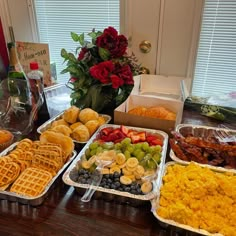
(138, 146)
(157, 148)
(127, 154)
(108, 146)
(93, 152)
(140, 155)
(136, 152)
(99, 150)
(130, 148)
(145, 146)
(126, 141)
(93, 145)
(147, 157)
(87, 153)
(118, 146)
(157, 157)
(151, 164)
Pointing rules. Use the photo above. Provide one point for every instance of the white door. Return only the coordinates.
(171, 27)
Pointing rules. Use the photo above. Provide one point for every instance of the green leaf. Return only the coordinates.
(64, 53)
(72, 57)
(104, 54)
(81, 39)
(74, 36)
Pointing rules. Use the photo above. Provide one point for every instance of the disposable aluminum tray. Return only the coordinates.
(48, 123)
(198, 131)
(112, 194)
(156, 205)
(34, 201)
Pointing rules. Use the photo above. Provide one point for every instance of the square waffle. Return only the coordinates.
(31, 182)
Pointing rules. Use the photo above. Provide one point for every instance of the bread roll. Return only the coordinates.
(62, 129)
(87, 114)
(58, 138)
(81, 134)
(59, 122)
(71, 114)
(92, 126)
(75, 125)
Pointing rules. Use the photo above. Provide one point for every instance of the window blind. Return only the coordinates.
(215, 70)
(56, 19)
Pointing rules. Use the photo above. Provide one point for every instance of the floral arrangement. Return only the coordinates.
(101, 71)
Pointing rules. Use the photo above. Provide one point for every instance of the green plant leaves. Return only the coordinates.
(104, 54)
(78, 38)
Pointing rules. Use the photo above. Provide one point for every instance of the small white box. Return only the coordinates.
(168, 87)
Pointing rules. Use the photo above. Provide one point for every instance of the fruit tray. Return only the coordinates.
(178, 209)
(48, 123)
(202, 146)
(71, 173)
(34, 201)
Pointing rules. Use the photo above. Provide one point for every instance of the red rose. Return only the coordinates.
(82, 53)
(102, 71)
(114, 43)
(125, 73)
(116, 81)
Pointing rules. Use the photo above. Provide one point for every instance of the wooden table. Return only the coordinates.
(63, 214)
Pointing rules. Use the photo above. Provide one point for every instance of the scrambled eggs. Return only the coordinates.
(199, 197)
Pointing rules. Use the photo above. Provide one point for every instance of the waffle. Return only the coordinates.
(9, 171)
(46, 163)
(31, 182)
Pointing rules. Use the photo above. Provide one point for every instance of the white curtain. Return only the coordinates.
(56, 19)
(215, 70)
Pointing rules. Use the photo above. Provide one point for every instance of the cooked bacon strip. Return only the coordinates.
(177, 150)
(204, 144)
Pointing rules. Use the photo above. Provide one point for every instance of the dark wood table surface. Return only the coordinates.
(63, 214)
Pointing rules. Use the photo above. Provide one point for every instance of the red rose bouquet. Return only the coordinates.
(101, 71)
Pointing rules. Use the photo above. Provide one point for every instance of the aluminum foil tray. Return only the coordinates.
(34, 201)
(112, 194)
(198, 131)
(48, 123)
(166, 222)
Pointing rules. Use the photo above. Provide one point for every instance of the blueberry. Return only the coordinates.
(107, 186)
(117, 184)
(83, 181)
(106, 176)
(109, 181)
(133, 191)
(116, 179)
(116, 174)
(113, 186)
(86, 176)
(127, 189)
(120, 189)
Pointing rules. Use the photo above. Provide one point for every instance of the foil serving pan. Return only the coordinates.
(45, 126)
(155, 202)
(112, 194)
(34, 201)
(202, 132)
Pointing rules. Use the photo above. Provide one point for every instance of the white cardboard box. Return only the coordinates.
(169, 87)
(121, 115)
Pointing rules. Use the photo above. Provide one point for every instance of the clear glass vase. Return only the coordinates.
(16, 111)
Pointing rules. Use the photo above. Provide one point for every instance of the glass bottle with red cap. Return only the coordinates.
(35, 77)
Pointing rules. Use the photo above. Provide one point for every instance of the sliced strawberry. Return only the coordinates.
(106, 131)
(124, 129)
(156, 141)
(150, 137)
(130, 133)
(135, 138)
(112, 137)
(118, 140)
(142, 136)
